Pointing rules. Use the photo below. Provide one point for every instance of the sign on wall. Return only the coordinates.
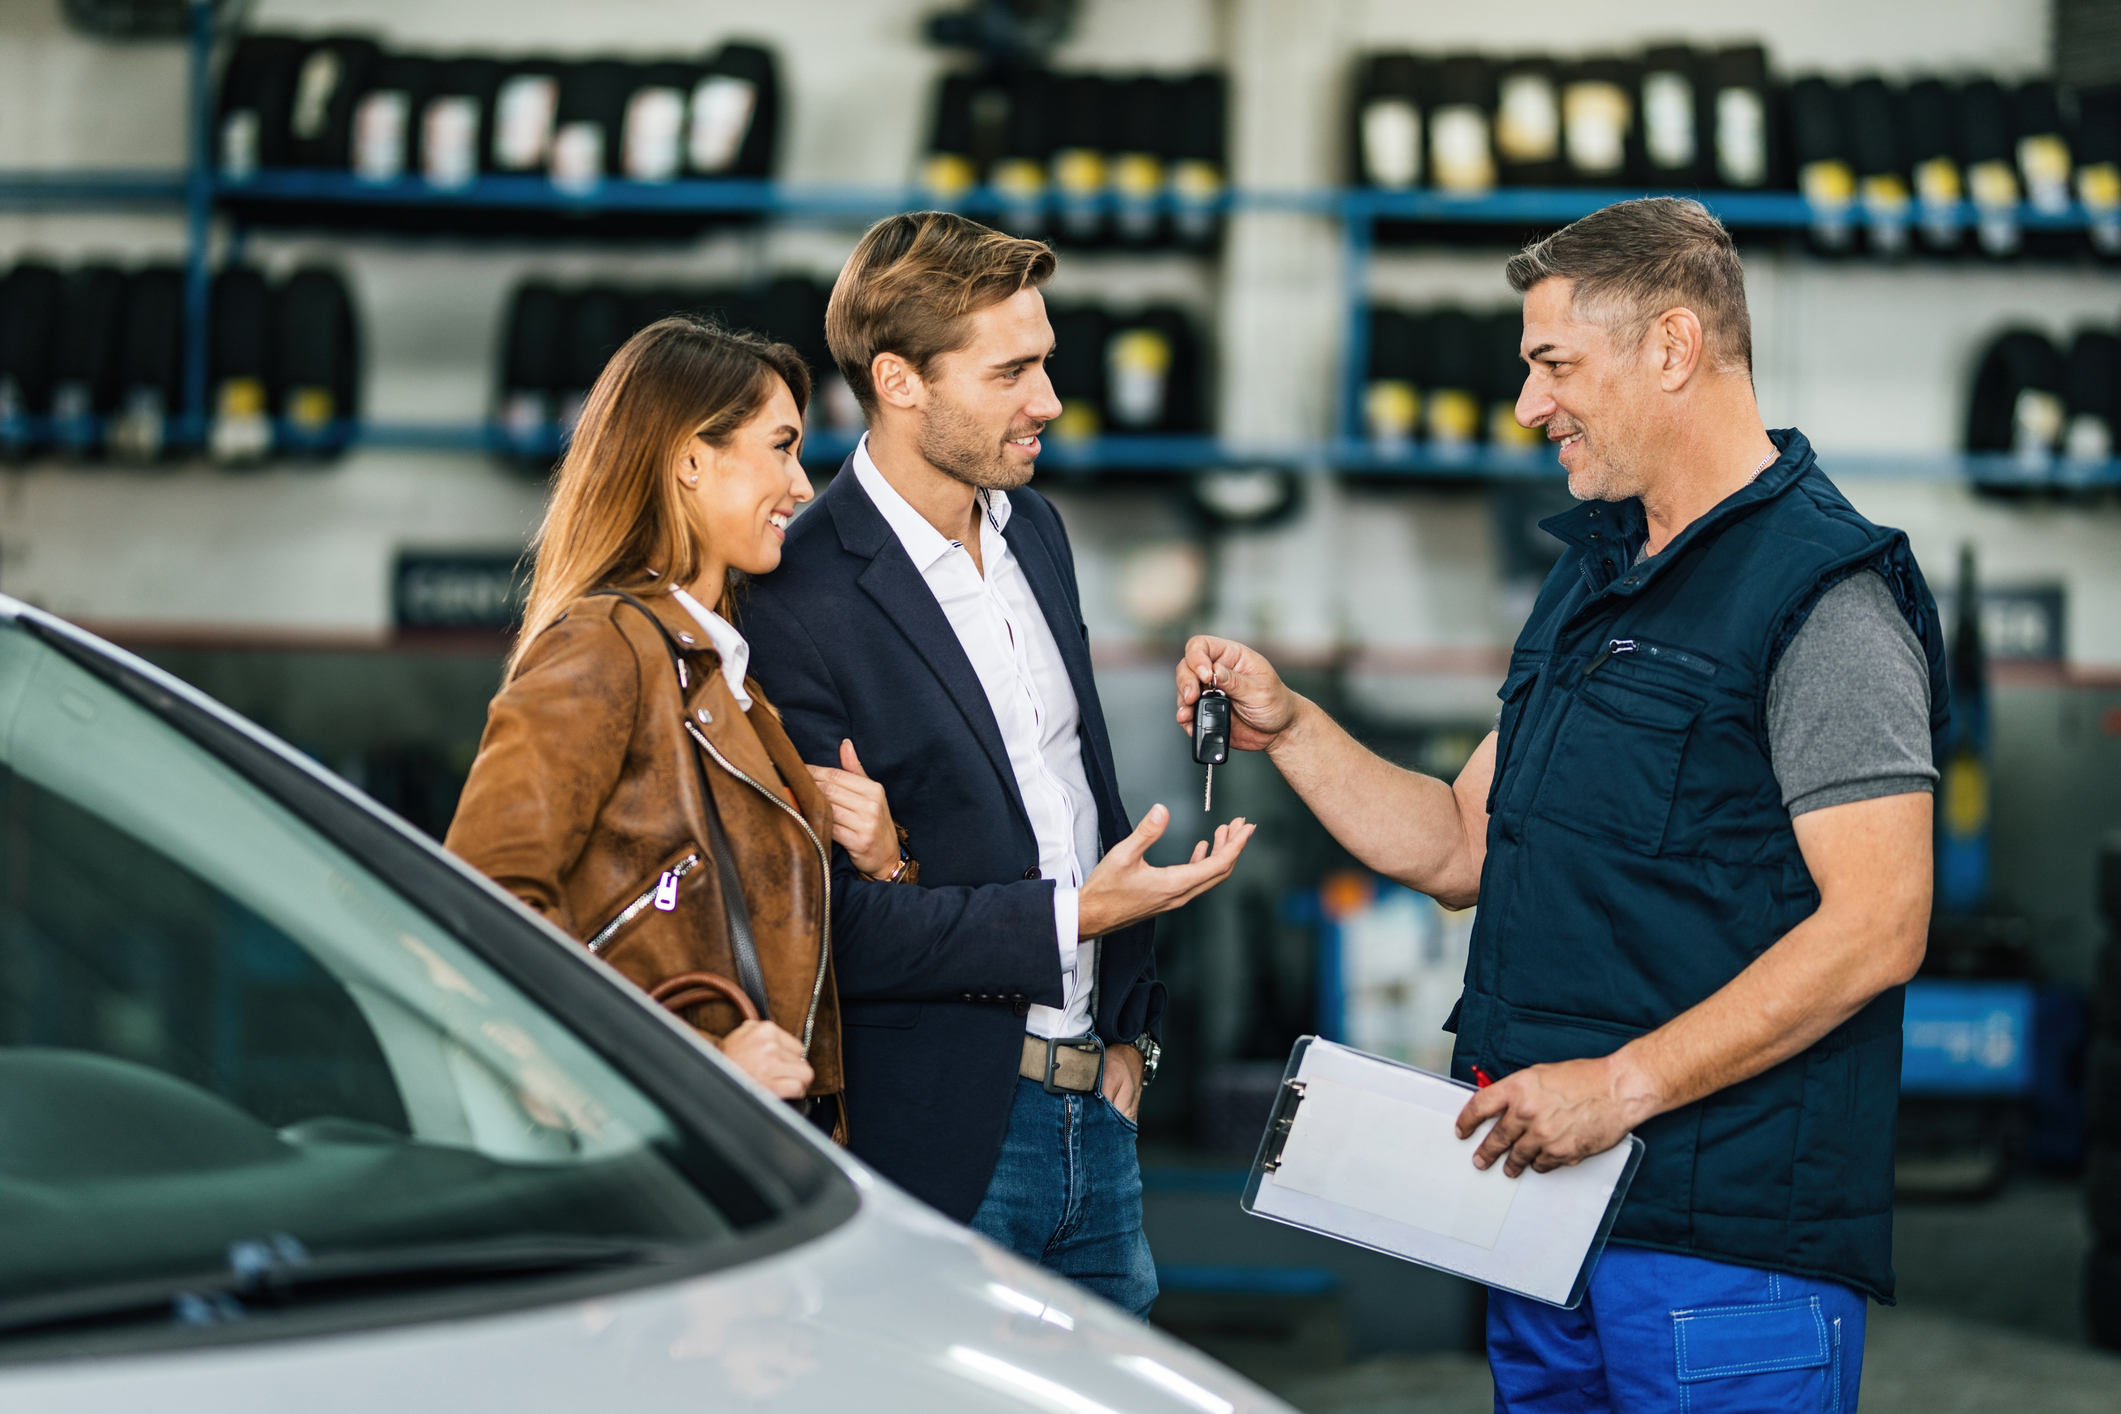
(467, 590)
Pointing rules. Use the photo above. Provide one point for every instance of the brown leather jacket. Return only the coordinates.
(586, 791)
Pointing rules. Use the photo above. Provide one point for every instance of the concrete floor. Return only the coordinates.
(1988, 1321)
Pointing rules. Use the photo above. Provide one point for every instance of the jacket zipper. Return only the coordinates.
(824, 859)
(663, 894)
(1616, 645)
(1657, 652)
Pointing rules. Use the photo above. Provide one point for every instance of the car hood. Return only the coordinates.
(896, 1309)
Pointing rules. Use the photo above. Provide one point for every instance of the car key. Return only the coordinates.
(1211, 737)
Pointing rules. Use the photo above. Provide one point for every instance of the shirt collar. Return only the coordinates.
(924, 544)
(734, 651)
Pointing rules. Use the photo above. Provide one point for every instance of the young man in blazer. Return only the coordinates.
(1000, 1014)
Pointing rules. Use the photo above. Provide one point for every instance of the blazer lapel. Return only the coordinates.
(1043, 574)
(905, 598)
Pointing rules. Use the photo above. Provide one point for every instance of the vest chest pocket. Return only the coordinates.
(1615, 765)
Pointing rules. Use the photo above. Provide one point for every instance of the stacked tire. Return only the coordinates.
(92, 364)
(2102, 1167)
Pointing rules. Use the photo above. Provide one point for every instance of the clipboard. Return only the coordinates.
(1365, 1150)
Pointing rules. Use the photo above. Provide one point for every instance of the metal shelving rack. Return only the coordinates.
(200, 193)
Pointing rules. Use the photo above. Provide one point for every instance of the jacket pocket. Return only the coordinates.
(1515, 692)
(1614, 769)
(659, 893)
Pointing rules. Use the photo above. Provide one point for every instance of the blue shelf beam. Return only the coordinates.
(114, 190)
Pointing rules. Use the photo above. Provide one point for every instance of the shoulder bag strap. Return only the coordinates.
(743, 946)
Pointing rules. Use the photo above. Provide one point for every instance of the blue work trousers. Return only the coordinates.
(1660, 1331)
(1067, 1194)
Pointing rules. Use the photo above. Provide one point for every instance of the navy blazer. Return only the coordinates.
(935, 978)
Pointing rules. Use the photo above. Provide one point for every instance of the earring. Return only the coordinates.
(695, 481)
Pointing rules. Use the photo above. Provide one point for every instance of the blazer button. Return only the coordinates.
(1032, 872)
(1020, 1005)
(965, 996)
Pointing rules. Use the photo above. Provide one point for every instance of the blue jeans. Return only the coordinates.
(1659, 1331)
(1067, 1193)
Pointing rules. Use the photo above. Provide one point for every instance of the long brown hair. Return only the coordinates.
(616, 518)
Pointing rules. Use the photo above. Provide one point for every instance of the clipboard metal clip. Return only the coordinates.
(1280, 1122)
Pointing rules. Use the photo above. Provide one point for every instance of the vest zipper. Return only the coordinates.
(664, 888)
(824, 859)
(1616, 645)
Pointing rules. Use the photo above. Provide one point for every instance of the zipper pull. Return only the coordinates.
(666, 891)
(1617, 645)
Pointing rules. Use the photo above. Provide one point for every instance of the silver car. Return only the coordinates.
(299, 1113)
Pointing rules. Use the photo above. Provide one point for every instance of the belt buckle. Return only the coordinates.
(1073, 1043)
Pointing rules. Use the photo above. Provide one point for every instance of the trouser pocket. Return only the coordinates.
(1759, 1355)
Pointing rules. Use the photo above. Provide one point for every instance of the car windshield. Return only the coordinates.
(227, 1045)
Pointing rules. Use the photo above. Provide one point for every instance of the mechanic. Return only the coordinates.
(1700, 839)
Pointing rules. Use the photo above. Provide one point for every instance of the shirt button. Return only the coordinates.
(1032, 872)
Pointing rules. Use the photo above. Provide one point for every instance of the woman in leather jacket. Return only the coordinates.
(633, 784)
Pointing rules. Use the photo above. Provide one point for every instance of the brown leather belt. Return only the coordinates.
(1074, 1065)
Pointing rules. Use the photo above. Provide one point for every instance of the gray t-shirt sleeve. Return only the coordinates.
(1848, 708)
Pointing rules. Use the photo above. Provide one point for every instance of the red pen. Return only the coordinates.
(1481, 1079)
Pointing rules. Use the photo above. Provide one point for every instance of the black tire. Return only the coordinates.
(319, 361)
(32, 297)
(748, 63)
(2102, 1191)
(151, 363)
(239, 393)
(330, 79)
(2102, 1296)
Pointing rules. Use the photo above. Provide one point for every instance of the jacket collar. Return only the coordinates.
(905, 598)
(1611, 533)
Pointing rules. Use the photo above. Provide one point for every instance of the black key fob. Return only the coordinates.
(1211, 727)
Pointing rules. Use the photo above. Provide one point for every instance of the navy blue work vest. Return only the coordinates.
(1639, 857)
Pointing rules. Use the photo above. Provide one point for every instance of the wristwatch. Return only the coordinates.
(1151, 1054)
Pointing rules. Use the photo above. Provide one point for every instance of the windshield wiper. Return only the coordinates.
(277, 1272)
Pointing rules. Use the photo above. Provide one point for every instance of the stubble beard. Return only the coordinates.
(953, 443)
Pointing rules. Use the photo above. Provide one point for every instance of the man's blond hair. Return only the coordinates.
(912, 285)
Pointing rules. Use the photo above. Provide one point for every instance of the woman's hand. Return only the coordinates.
(861, 817)
(770, 1056)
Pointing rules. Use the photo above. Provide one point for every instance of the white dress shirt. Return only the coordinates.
(736, 653)
(1011, 648)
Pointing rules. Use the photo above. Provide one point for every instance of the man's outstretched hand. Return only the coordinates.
(1550, 1116)
(1124, 889)
(1262, 706)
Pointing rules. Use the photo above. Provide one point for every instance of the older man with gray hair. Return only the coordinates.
(1699, 838)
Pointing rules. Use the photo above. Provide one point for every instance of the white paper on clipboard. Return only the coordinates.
(1366, 1150)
